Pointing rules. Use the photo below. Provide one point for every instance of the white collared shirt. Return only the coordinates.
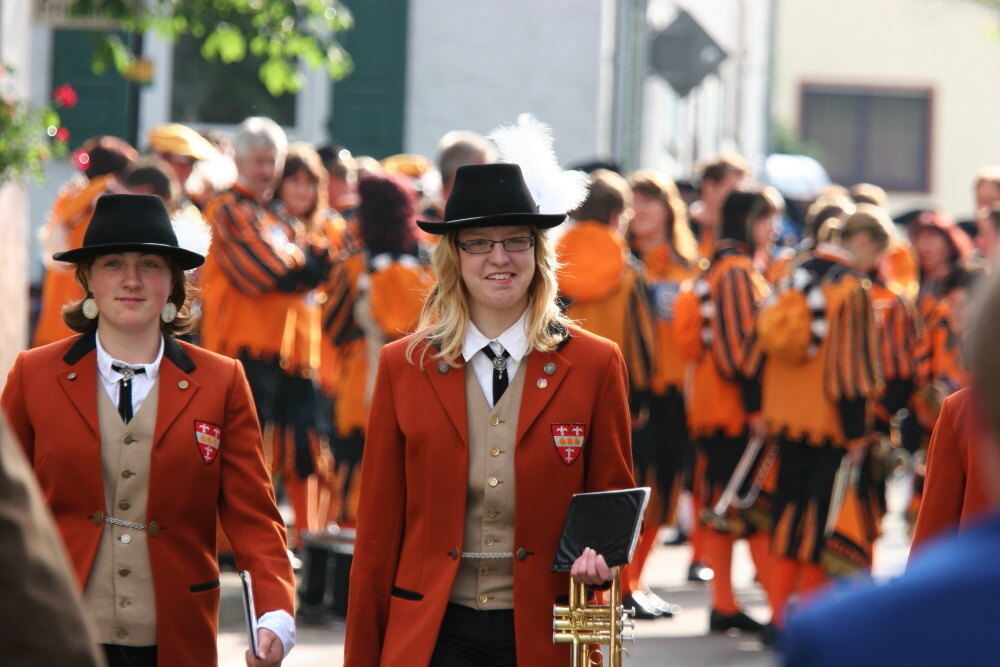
(279, 622)
(141, 382)
(514, 340)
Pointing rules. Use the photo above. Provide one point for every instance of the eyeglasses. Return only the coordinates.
(484, 246)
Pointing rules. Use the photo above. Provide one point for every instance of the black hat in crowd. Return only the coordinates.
(490, 195)
(131, 223)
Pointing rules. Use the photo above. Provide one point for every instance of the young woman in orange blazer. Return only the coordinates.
(483, 425)
(136, 489)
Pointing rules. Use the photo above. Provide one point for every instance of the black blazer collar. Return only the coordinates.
(172, 350)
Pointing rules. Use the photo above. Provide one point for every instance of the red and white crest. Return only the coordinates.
(208, 437)
(568, 439)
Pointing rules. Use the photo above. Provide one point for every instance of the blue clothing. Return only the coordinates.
(944, 610)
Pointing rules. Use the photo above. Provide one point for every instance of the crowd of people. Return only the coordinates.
(780, 367)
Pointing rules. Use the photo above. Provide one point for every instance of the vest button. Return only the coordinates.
(120, 633)
(493, 481)
(124, 602)
(492, 513)
(487, 571)
(154, 528)
(489, 541)
(97, 518)
(128, 439)
(127, 473)
(124, 572)
(495, 451)
(125, 539)
(495, 421)
(483, 598)
(124, 505)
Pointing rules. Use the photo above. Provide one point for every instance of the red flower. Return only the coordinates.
(62, 134)
(81, 159)
(65, 96)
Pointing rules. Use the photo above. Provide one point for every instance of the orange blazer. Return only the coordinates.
(51, 401)
(954, 492)
(414, 479)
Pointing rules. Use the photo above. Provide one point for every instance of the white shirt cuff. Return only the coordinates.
(281, 623)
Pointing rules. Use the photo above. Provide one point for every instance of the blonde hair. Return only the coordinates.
(656, 185)
(445, 314)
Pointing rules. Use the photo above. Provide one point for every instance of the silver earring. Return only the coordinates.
(168, 313)
(90, 308)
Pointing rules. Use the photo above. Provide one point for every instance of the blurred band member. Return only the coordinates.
(719, 176)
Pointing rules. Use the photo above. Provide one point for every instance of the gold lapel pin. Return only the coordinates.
(442, 368)
(183, 384)
(541, 383)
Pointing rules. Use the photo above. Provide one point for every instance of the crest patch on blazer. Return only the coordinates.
(568, 439)
(209, 437)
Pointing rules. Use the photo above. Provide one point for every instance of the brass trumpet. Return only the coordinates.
(587, 626)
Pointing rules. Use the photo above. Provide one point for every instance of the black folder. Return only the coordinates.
(606, 521)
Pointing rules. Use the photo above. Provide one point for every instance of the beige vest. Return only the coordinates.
(119, 593)
(489, 504)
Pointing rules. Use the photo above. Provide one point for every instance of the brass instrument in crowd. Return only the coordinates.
(588, 626)
(717, 516)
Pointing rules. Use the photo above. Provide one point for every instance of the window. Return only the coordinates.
(223, 94)
(872, 135)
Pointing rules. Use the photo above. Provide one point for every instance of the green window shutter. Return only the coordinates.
(368, 105)
(107, 102)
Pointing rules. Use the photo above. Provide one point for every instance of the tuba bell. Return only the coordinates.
(589, 626)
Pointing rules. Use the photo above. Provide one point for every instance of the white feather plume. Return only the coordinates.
(529, 145)
(192, 233)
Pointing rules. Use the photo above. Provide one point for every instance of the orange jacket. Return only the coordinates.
(664, 276)
(954, 491)
(414, 482)
(69, 219)
(51, 402)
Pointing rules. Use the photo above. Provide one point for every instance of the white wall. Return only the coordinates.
(15, 19)
(950, 47)
(475, 64)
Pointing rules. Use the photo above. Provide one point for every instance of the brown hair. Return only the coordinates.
(868, 193)
(180, 295)
(607, 193)
(824, 208)
(156, 174)
(657, 186)
(868, 219)
(302, 157)
(107, 155)
(718, 167)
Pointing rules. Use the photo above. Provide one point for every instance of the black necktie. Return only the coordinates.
(125, 389)
(499, 372)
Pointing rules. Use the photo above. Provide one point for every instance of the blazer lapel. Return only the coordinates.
(535, 398)
(449, 387)
(79, 380)
(177, 387)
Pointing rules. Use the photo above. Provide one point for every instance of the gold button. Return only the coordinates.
(71, 376)
(154, 528)
(124, 572)
(495, 421)
(487, 571)
(129, 439)
(124, 602)
(493, 481)
(489, 541)
(127, 473)
(121, 634)
(492, 513)
(97, 518)
(494, 451)
(125, 539)
(123, 505)
(183, 384)
(453, 554)
(483, 598)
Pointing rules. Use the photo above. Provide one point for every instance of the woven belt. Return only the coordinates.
(125, 524)
(488, 556)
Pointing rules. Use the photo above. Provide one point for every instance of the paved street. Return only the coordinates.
(680, 641)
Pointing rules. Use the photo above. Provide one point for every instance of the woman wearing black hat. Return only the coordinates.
(483, 425)
(140, 442)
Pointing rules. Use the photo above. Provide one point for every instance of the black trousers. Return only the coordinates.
(129, 656)
(473, 638)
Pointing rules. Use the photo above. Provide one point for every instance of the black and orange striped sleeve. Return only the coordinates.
(338, 322)
(641, 338)
(733, 333)
(246, 257)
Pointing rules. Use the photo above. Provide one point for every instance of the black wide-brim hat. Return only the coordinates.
(131, 223)
(490, 195)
